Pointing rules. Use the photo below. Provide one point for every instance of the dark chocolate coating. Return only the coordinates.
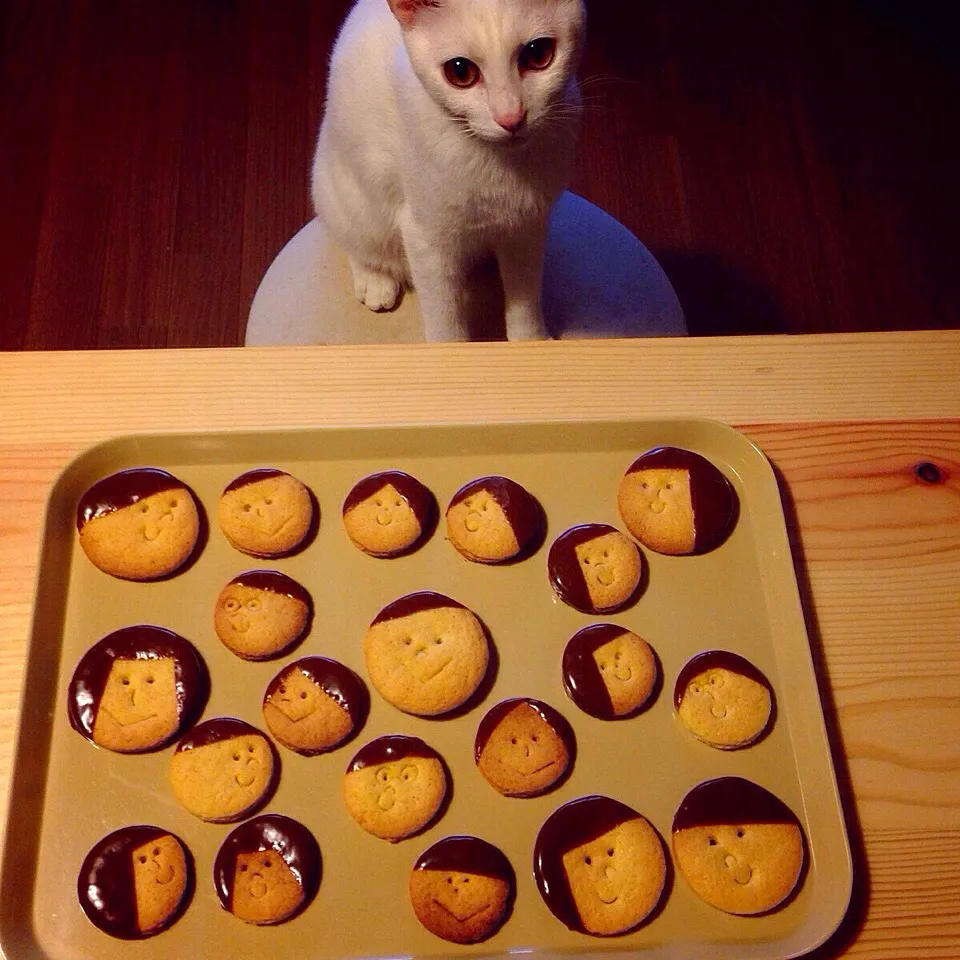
(716, 659)
(712, 495)
(732, 801)
(563, 569)
(270, 833)
(389, 749)
(106, 888)
(568, 827)
(252, 476)
(422, 502)
(493, 717)
(217, 729)
(141, 642)
(275, 582)
(123, 489)
(467, 855)
(581, 679)
(520, 508)
(414, 603)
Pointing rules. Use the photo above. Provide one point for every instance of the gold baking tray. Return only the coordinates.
(66, 794)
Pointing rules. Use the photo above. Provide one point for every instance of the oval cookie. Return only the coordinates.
(395, 786)
(137, 689)
(462, 889)
(223, 769)
(723, 699)
(267, 870)
(523, 747)
(314, 705)
(139, 524)
(261, 614)
(594, 568)
(136, 882)
(608, 671)
(493, 519)
(677, 502)
(426, 654)
(739, 847)
(389, 513)
(266, 513)
(599, 865)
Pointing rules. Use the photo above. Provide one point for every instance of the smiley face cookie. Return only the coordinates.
(594, 568)
(139, 524)
(676, 501)
(223, 769)
(261, 613)
(314, 705)
(137, 689)
(523, 747)
(599, 865)
(395, 786)
(608, 671)
(493, 519)
(462, 889)
(266, 513)
(135, 882)
(426, 654)
(723, 699)
(267, 870)
(389, 513)
(739, 847)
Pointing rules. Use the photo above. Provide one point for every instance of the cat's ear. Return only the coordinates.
(407, 11)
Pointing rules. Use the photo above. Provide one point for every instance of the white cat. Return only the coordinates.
(449, 131)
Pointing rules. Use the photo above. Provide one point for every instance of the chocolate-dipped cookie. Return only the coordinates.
(493, 519)
(389, 513)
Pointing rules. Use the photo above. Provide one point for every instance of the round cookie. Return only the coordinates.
(676, 501)
(389, 513)
(395, 786)
(261, 613)
(426, 654)
(135, 882)
(523, 747)
(608, 671)
(594, 568)
(599, 865)
(137, 689)
(739, 847)
(223, 770)
(267, 870)
(139, 524)
(462, 889)
(314, 705)
(723, 699)
(266, 513)
(493, 519)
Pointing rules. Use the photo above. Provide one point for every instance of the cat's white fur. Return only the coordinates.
(418, 181)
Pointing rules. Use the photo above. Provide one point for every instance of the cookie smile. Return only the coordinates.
(427, 672)
(128, 723)
(461, 917)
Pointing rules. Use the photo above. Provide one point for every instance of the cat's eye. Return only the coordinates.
(538, 54)
(461, 72)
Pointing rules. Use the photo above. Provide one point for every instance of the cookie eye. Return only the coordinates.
(398, 502)
(253, 604)
(534, 738)
(513, 740)
(740, 833)
(669, 486)
(606, 553)
(269, 501)
(438, 640)
(156, 851)
(645, 485)
(125, 681)
(466, 879)
(588, 860)
(610, 851)
(409, 773)
(449, 879)
(303, 694)
(379, 503)
(282, 689)
(603, 666)
(231, 605)
(144, 509)
(712, 841)
(243, 868)
(143, 859)
(250, 748)
(382, 775)
(236, 757)
(696, 688)
(266, 862)
(174, 503)
(149, 679)
(586, 560)
(247, 508)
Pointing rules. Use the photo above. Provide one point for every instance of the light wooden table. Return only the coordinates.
(845, 420)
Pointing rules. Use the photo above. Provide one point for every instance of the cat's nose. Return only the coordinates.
(511, 121)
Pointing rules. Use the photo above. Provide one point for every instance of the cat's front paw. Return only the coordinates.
(374, 290)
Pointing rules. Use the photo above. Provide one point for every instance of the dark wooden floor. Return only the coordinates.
(793, 163)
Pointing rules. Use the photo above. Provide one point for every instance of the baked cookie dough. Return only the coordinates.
(137, 689)
(135, 882)
(676, 501)
(261, 614)
(267, 870)
(395, 786)
(426, 654)
(600, 866)
(314, 705)
(609, 672)
(524, 747)
(139, 524)
(223, 770)
(389, 513)
(493, 519)
(462, 889)
(739, 847)
(266, 513)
